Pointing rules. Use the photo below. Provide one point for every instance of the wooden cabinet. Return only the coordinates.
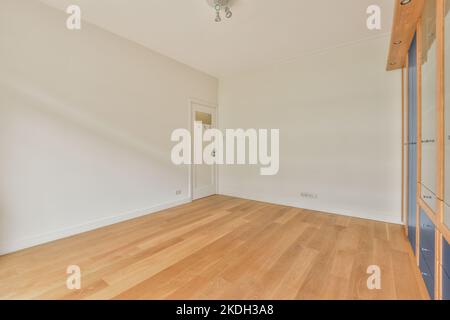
(427, 252)
(411, 143)
(446, 115)
(432, 44)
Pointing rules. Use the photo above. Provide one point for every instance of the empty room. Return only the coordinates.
(224, 150)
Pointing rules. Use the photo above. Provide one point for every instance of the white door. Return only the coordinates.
(203, 176)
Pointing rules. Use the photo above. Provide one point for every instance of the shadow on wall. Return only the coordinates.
(50, 104)
(85, 124)
(62, 167)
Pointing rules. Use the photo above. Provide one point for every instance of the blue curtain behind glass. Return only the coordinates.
(412, 142)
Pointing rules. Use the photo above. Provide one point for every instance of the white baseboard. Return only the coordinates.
(20, 244)
(367, 216)
(16, 245)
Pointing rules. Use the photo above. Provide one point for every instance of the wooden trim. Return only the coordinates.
(403, 146)
(441, 117)
(403, 28)
(419, 133)
(440, 91)
(438, 266)
(407, 135)
(440, 174)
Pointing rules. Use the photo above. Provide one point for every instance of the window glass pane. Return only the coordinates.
(203, 117)
(428, 163)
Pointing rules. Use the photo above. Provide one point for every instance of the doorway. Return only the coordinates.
(204, 176)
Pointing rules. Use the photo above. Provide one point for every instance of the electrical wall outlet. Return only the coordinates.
(178, 192)
(309, 195)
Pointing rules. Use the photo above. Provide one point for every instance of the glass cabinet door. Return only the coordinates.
(405, 144)
(429, 94)
(447, 114)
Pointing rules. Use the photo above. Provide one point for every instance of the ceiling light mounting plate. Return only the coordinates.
(222, 3)
(221, 7)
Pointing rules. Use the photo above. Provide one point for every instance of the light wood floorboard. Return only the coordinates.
(220, 248)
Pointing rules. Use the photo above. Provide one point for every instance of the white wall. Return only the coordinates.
(339, 115)
(85, 124)
(86, 117)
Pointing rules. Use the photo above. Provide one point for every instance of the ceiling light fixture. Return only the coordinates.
(228, 13)
(219, 6)
(218, 18)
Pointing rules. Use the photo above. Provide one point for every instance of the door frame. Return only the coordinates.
(202, 103)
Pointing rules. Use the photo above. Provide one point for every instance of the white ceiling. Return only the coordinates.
(261, 32)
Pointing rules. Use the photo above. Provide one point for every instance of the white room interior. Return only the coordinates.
(69, 132)
(86, 116)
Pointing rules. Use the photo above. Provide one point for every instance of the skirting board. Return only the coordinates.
(17, 245)
(387, 219)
